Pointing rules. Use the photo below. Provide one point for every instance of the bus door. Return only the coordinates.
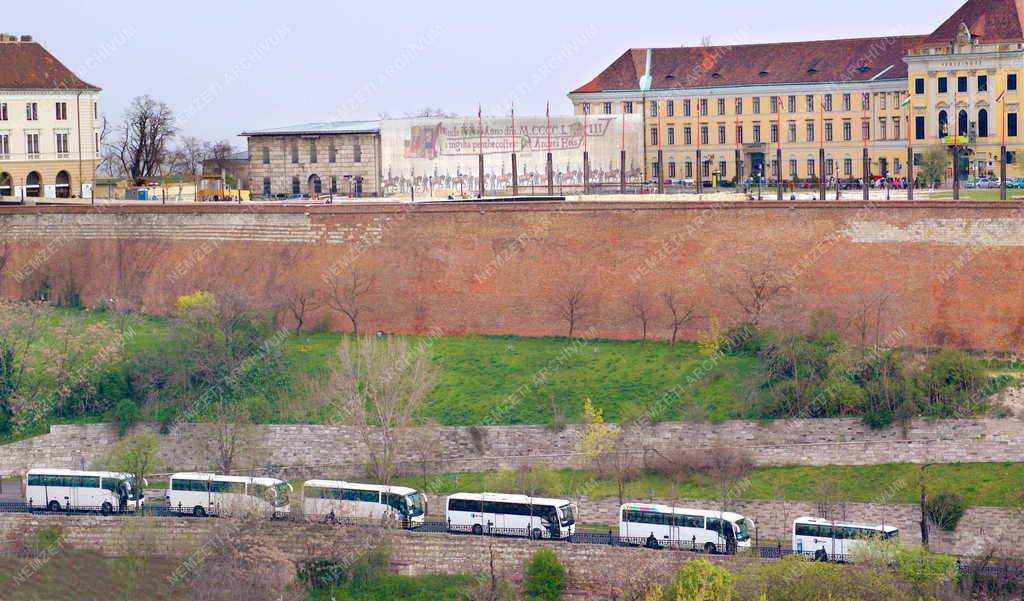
(489, 518)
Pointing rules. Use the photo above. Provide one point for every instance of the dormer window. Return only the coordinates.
(763, 74)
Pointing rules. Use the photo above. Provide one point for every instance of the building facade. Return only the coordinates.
(740, 105)
(321, 158)
(49, 125)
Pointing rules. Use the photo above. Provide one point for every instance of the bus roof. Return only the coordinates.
(398, 490)
(704, 513)
(262, 481)
(504, 498)
(824, 522)
(66, 472)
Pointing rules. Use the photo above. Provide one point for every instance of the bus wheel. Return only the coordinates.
(478, 529)
(710, 548)
(106, 508)
(53, 506)
(536, 534)
(198, 511)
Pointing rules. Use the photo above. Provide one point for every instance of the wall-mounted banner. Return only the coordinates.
(440, 156)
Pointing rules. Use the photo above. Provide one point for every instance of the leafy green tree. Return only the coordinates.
(933, 168)
(545, 576)
(945, 509)
(136, 454)
(698, 580)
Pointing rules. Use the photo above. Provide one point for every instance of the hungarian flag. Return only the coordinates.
(1000, 97)
(906, 102)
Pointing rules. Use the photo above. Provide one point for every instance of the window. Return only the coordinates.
(296, 185)
(654, 108)
(312, 152)
(688, 169)
(792, 168)
(810, 103)
(62, 143)
(828, 103)
(983, 123)
(896, 163)
(721, 106)
(810, 131)
(721, 134)
(865, 102)
(95, 110)
(62, 111)
(656, 168)
(962, 123)
(847, 131)
(791, 131)
(721, 169)
(96, 136)
(672, 169)
(357, 153)
(846, 102)
(32, 145)
(687, 135)
(757, 133)
(774, 104)
(3, 111)
(5, 145)
(828, 131)
(739, 106)
(266, 155)
(629, 107)
(961, 84)
(372, 496)
(586, 108)
(686, 108)
(792, 104)
(690, 521)
(896, 127)
(829, 167)
(266, 186)
(654, 136)
(756, 105)
(775, 168)
(810, 167)
(703, 134)
(464, 505)
(332, 153)
(671, 135)
(31, 111)
(919, 85)
(703, 107)
(607, 108)
(295, 153)
(848, 167)
(983, 83)
(670, 108)
(739, 134)
(706, 168)
(881, 101)
(943, 86)
(774, 137)
(1011, 84)
(882, 129)
(1011, 125)
(865, 130)
(943, 124)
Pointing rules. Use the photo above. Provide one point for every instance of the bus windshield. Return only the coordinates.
(568, 515)
(281, 491)
(414, 504)
(742, 530)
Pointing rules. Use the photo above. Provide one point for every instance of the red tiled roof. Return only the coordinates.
(753, 64)
(988, 20)
(29, 66)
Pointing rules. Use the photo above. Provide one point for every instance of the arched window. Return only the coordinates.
(296, 186)
(5, 184)
(961, 129)
(315, 187)
(32, 185)
(63, 185)
(943, 124)
(983, 123)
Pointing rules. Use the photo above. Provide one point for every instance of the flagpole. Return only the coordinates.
(699, 179)
(1002, 152)
(956, 144)
(515, 174)
(778, 146)
(821, 148)
(586, 154)
(480, 118)
(550, 164)
(910, 148)
(622, 154)
(865, 132)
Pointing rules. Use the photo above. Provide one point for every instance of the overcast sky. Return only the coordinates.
(225, 67)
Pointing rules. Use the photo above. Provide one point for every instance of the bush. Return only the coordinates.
(698, 580)
(945, 510)
(545, 576)
(794, 578)
(126, 415)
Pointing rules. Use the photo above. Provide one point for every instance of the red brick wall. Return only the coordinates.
(954, 272)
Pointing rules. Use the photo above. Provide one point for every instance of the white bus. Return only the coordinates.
(59, 489)
(825, 538)
(211, 494)
(712, 531)
(333, 498)
(536, 517)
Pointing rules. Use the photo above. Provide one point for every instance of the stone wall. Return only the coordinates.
(339, 451)
(953, 272)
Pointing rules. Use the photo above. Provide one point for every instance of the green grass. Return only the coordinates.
(980, 484)
(437, 587)
(974, 194)
(70, 573)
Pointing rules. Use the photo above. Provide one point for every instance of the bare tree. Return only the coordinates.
(571, 306)
(379, 386)
(188, 157)
(298, 301)
(347, 292)
(144, 138)
(426, 447)
(230, 440)
(640, 307)
(680, 313)
(756, 287)
(431, 112)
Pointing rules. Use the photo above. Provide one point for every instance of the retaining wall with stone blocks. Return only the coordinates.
(340, 451)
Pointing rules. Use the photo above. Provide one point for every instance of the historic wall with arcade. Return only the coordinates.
(948, 274)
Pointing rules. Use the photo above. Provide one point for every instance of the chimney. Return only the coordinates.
(26, 38)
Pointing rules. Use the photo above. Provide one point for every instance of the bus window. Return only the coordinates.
(414, 504)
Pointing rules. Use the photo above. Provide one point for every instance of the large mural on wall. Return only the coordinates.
(439, 157)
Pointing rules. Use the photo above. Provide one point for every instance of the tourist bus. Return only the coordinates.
(661, 525)
(511, 514)
(335, 499)
(61, 489)
(826, 538)
(212, 494)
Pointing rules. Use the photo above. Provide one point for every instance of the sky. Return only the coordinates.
(226, 67)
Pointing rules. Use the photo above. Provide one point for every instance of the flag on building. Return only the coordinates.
(906, 102)
(999, 98)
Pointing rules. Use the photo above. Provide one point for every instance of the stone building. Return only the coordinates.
(738, 105)
(233, 166)
(318, 158)
(49, 125)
